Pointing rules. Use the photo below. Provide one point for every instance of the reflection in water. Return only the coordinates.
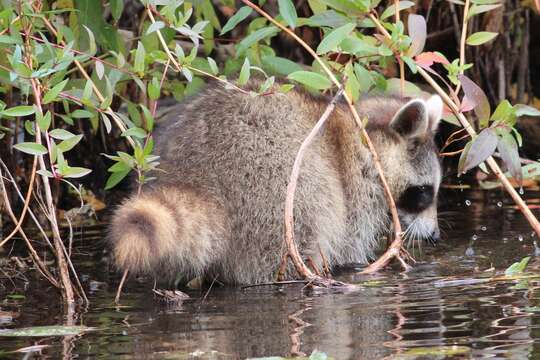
(448, 306)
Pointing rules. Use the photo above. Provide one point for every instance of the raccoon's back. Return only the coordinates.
(240, 150)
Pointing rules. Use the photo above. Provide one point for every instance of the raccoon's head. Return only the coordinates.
(409, 156)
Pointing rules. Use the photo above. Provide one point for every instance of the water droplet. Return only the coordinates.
(533, 234)
(468, 202)
(499, 204)
(520, 237)
(483, 228)
(474, 237)
(521, 191)
(469, 251)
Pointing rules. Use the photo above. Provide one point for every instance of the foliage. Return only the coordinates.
(84, 64)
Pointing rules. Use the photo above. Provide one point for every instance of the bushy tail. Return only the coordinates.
(167, 230)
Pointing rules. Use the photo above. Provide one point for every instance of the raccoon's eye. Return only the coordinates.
(416, 198)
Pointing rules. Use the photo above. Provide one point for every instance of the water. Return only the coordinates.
(449, 306)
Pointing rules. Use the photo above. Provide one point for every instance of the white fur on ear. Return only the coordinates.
(435, 110)
(411, 120)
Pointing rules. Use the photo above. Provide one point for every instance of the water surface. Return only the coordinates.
(450, 305)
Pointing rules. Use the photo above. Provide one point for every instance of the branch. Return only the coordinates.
(533, 221)
(358, 121)
(292, 249)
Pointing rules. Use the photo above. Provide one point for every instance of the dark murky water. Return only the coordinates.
(449, 306)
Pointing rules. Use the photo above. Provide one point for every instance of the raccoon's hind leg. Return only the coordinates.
(173, 230)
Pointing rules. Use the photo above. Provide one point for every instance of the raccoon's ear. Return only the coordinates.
(435, 111)
(412, 119)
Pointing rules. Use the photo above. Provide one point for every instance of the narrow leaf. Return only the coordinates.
(476, 95)
(508, 149)
(52, 94)
(332, 40)
(522, 109)
(288, 11)
(70, 143)
(31, 148)
(244, 73)
(115, 178)
(418, 34)
(311, 79)
(22, 110)
(482, 147)
(61, 134)
(391, 10)
(240, 15)
(479, 9)
(480, 38)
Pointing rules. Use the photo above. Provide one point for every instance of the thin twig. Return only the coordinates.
(463, 40)
(400, 60)
(292, 249)
(120, 286)
(26, 204)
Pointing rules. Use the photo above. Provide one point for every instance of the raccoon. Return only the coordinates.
(216, 207)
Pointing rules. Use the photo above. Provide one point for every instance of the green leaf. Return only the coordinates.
(213, 65)
(311, 79)
(81, 114)
(136, 132)
(154, 89)
(482, 147)
(517, 267)
(138, 64)
(244, 73)
(31, 148)
(75, 172)
(44, 121)
(522, 109)
(158, 25)
(52, 94)
(329, 18)
(334, 38)
(256, 37)
(410, 63)
(53, 330)
(288, 11)
(22, 110)
(391, 10)
(349, 7)
(91, 42)
(61, 134)
(479, 9)
(480, 38)
(100, 69)
(11, 40)
(508, 149)
(240, 15)
(504, 113)
(115, 178)
(70, 143)
(279, 65)
(117, 6)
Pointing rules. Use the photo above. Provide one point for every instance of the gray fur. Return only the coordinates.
(226, 159)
